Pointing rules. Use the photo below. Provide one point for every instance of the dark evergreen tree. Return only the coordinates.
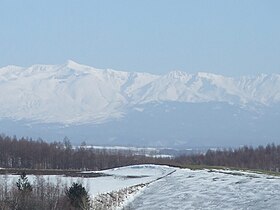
(78, 196)
(23, 184)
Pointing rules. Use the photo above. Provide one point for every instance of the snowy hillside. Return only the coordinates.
(75, 94)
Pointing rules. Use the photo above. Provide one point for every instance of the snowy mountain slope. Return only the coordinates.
(76, 94)
(169, 124)
(69, 93)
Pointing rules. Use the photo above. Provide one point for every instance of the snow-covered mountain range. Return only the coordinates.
(73, 94)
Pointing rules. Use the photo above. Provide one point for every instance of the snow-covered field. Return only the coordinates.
(126, 176)
(204, 189)
(163, 187)
(118, 178)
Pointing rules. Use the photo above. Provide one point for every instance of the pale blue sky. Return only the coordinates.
(226, 37)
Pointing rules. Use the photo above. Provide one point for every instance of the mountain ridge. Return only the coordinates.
(73, 93)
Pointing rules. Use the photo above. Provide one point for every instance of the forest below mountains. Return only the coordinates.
(38, 154)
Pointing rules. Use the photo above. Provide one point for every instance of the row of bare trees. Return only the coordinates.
(27, 153)
(265, 158)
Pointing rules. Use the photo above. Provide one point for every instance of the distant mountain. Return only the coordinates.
(116, 107)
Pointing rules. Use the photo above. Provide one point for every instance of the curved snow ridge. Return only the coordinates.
(144, 175)
(144, 170)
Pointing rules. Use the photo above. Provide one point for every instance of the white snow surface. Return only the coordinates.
(72, 93)
(182, 189)
(118, 180)
(149, 171)
(201, 189)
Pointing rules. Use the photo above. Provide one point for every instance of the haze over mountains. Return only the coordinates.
(111, 107)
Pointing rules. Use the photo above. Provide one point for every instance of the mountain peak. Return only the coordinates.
(72, 64)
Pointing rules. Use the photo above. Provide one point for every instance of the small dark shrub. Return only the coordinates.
(23, 184)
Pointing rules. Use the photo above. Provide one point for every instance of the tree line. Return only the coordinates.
(247, 157)
(38, 154)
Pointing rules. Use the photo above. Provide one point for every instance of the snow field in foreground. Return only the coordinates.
(210, 189)
(183, 189)
(118, 178)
